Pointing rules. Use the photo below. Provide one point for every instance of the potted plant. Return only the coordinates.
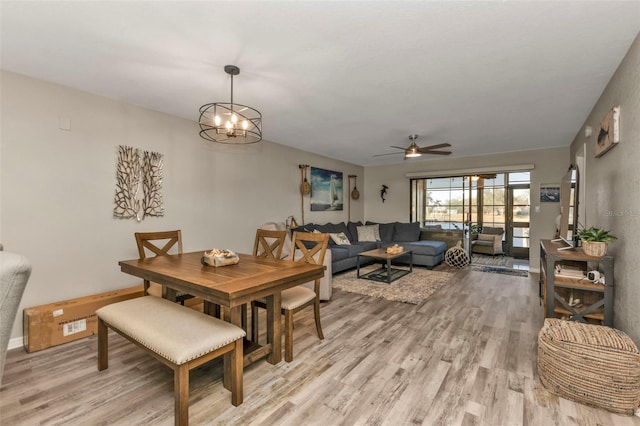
(595, 240)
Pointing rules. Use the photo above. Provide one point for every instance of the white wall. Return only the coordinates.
(550, 166)
(612, 196)
(57, 187)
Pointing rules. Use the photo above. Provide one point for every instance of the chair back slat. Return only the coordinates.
(309, 244)
(269, 243)
(155, 242)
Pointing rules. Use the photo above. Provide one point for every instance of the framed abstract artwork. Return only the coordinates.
(326, 190)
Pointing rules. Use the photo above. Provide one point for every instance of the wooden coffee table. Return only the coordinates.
(386, 273)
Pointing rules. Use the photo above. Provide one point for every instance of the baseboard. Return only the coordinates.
(14, 343)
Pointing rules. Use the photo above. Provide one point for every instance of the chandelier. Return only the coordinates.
(228, 122)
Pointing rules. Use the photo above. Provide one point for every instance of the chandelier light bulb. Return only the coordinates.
(234, 118)
(216, 120)
(229, 126)
(245, 124)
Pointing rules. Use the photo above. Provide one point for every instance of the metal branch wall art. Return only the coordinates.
(138, 184)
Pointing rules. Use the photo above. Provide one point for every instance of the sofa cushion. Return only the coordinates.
(386, 230)
(488, 237)
(352, 231)
(339, 253)
(484, 243)
(342, 252)
(490, 230)
(426, 247)
(309, 227)
(406, 232)
(368, 233)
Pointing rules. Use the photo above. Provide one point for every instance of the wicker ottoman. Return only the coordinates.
(590, 364)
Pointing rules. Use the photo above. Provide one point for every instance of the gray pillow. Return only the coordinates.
(405, 232)
(386, 231)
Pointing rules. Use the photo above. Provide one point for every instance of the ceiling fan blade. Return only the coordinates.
(426, 151)
(398, 147)
(440, 145)
(389, 153)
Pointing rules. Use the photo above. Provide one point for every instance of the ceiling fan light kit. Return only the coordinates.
(414, 151)
(228, 122)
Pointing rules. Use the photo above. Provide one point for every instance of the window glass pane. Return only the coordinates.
(438, 183)
(522, 177)
(521, 242)
(487, 196)
(521, 213)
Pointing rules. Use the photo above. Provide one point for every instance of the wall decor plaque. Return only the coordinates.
(608, 134)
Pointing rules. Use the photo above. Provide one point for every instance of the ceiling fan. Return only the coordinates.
(413, 150)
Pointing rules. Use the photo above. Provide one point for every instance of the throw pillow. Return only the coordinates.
(367, 233)
(340, 239)
(406, 232)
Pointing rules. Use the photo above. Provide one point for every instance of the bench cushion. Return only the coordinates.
(174, 332)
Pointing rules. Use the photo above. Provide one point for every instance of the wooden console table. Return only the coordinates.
(556, 290)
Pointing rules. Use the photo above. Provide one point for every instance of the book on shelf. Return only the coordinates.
(569, 272)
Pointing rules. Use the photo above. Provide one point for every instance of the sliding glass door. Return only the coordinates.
(500, 200)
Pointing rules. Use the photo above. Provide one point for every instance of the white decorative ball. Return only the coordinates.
(457, 257)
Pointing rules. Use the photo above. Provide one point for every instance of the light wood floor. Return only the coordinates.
(467, 356)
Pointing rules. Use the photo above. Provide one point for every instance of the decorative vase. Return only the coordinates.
(594, 248)
(305, 187)
(355, 194)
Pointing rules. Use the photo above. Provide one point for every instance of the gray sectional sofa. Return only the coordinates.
(427, 253)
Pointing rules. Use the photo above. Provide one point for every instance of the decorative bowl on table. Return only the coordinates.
(395, 249)
(219, 257)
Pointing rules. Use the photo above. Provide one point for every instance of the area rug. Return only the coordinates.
(413, 288)
(483, 259)
(495, 270)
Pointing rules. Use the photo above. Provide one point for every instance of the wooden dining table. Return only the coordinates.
(232, 287)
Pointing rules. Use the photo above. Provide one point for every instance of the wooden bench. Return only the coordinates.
(179, 337)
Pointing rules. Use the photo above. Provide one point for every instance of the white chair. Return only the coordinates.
(14, 274)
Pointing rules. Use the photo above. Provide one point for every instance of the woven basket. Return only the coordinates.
(591, 364)
(594, 248)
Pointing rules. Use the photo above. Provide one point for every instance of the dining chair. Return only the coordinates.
(160, 244)
(308, 248)
(269, 244)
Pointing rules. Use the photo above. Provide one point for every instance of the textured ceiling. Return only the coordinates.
(341, 79)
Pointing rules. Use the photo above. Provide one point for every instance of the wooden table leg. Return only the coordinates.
(234, 316)
(274, 328)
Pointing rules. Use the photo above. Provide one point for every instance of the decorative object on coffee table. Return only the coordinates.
(457, 256)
